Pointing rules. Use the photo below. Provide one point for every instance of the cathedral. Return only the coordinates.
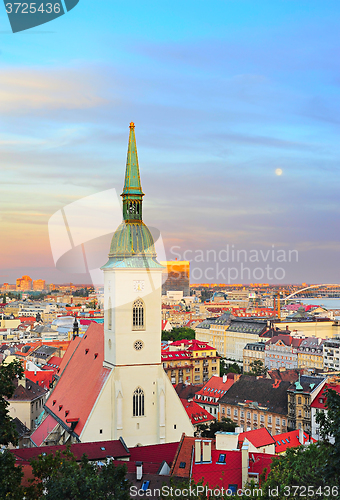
(111, 381)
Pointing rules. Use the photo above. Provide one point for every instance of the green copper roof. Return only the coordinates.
(132, 183)
(132, 239)
(132, 244)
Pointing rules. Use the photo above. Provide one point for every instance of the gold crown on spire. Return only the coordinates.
(132, 125)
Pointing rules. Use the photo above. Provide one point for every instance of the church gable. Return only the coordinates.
(81, 381)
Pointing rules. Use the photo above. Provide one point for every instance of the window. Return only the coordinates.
(277, 421)
(283, 422)
(221, 458)
(235, 412)
(138, 315)
(262, 418)
(138, 403)
(228, 411)
(269, 419)
(299, 400)
(182, 465)
(248, 415)
(255, 417)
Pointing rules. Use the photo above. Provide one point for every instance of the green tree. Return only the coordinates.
(178, 334)
(61, 476)
(233, 368)
(10, 475)
(223, 367)
(8, 373)
(257, 368)
(224, 425)
(329, 427)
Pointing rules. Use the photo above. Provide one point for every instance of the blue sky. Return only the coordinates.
(223, 93)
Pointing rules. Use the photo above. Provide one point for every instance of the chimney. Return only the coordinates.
(245, 463)
(206, 451)
(198, 451)
(139, 470)
(224, 379)
(301, 436)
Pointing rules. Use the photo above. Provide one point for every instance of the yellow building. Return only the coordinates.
(252, 352)
(24, 283)
(229, 335)
(27, 402)
(39, 285)
(310, 353)
(190, 361)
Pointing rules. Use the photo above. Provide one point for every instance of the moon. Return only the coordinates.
(278, 171)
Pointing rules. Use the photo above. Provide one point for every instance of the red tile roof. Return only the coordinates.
(81, 379)
(94, 451)
(320, 399)
(175, 355)
(196, 413)
(216, 475)
(43, 378)
(258, 437)
(290, 440)
(215, 388)
(154, 453)
(44, 429)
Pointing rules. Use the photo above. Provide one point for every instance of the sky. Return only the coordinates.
(236, 106)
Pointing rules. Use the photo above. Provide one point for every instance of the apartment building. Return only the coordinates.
(190, 361)
(331, 354)
(211, 393)
(281, 352)
(253, 403)
(301, 394)
(310, 353)
(253, 351)
(229, 335)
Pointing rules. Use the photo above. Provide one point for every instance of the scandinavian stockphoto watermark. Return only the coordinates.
(26, 15)
(237, 265)
(80, 237)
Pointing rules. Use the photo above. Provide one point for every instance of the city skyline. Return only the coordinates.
(236, 124)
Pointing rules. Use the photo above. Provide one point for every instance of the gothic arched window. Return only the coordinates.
(138, 402)
(138, 315)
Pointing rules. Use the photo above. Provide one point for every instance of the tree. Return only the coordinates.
(223, 367)
(257, 368)
(233, 368)
(329, 427)
(8, 373)
(61, 476)
(10, 475)
(225, 425)
(178, 334)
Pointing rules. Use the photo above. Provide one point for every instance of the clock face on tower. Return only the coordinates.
(138, 286)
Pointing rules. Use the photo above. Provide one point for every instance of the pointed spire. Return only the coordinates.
(132, 193)
(132, 183)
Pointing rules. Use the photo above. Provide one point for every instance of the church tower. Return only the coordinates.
(138, 398)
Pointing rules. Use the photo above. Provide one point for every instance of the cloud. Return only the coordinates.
(25, 90)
